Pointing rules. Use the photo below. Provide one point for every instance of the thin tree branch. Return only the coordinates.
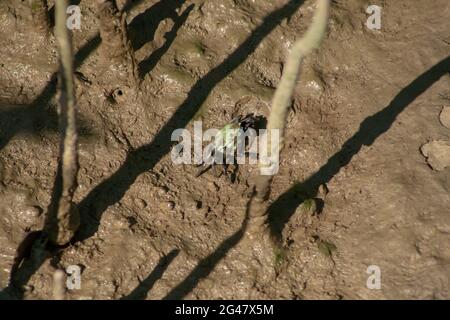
(67, 219)
(281, 103)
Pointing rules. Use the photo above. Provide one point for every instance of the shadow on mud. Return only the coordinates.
(370, 129)
(144, 158)
(140, 160)
(141, 291)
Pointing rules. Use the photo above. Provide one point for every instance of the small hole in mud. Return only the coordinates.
(119, 92)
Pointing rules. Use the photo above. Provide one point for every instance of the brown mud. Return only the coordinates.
(366, 103)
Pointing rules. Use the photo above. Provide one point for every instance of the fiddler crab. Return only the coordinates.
(225, 141)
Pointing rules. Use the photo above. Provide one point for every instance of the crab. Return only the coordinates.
(228, 134)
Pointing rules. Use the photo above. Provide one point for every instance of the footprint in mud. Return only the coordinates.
(437, 154)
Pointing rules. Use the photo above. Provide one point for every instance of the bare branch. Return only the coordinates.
(67, 219)
(282, 101)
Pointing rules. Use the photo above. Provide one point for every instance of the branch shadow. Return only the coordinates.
(143, 27)
(280, 211)
(283, 208)
(31, 254)
(39, 115)
(33, 118)
(144, 158)
(149, 63)
(34, 249)
(207, 265)
(141, 291)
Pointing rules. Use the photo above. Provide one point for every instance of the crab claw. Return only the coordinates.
(247, 122)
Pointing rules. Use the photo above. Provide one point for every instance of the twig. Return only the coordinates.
(280, 108)
(67, 218)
